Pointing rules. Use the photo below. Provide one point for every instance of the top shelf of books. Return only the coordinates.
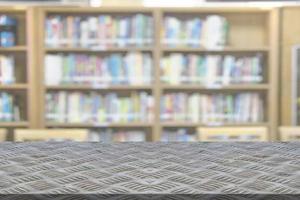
(180, 30)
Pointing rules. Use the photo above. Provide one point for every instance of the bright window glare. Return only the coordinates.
(95, 3)
(173, 3)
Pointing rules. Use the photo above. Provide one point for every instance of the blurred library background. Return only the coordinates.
(142, 70)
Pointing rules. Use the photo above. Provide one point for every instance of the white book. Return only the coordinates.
(212, 66)
(213, 38)
(7, 65)
(53, 69)
(247, 107)
(194, 108)
(129, 59)
(147, 69)
(74, 111)
(106, 75)
(228, 65)
(93, 24)
(175, 64)
(84, 33)
(143, 96)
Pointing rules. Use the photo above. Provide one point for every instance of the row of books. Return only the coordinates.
(179, 135)
(133, 68)
(244, 107)
(92, 107)
(7, 69)
(98, 31)
(179, 68)
(9, 111)
(8, 31)
(210, 33)
(110, 135)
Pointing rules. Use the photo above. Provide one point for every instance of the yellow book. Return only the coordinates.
(136, 105)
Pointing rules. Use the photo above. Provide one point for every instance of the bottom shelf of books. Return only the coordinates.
(12, 107)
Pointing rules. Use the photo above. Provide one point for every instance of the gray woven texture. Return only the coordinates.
(136, 168)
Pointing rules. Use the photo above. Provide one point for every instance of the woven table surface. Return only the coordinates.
(141, 168)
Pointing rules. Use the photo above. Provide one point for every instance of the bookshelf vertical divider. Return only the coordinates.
(274, 58)
(33, 71)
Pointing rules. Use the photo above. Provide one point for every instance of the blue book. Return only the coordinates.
(115, 64)
(6, 109)
(7, 39)
(196, 31)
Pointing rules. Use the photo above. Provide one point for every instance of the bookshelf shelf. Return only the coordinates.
(14, 87)
(226, 49)
(21, 124)
(100, 87)
(216, 87)
(98, 49)
(13, 49)
(99, 125)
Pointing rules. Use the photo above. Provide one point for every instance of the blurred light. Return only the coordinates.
(95, 3)
(173, 3)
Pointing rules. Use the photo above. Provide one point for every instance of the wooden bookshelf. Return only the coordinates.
(24, 59)
(123, 89)
(252, 30)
